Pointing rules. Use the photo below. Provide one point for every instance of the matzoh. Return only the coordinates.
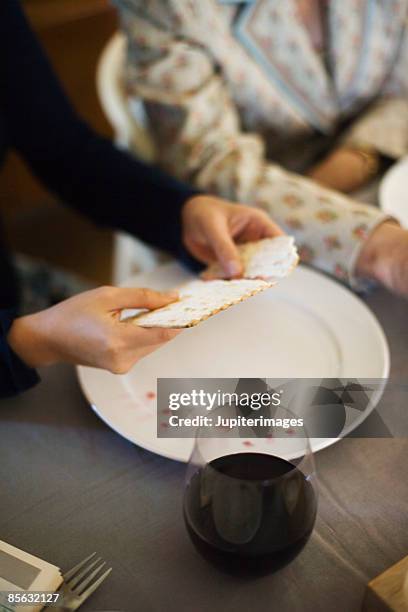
(200, 300)
(268, 259)
(264, 262)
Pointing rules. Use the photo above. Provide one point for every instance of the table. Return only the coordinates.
(71, 486)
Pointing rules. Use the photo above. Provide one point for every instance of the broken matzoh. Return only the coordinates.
(264, 263)
(200, 300)
(269, 259)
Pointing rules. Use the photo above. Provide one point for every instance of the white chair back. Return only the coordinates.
(130, 126)
(131, 256)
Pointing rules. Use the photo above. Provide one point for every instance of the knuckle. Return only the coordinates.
(106, 291)
(145, 294)
(261, 214)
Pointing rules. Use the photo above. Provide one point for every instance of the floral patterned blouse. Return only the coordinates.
(234, 89)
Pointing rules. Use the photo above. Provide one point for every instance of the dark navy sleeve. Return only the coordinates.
(85, 170)
(15, 376)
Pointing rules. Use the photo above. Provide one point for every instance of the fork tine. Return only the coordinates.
(74, 570)
(78, 577)
(82, 586)
(94, 586)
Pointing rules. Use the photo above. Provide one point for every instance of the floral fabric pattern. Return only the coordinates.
(205, 73)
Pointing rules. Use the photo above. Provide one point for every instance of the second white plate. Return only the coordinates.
(394, 192)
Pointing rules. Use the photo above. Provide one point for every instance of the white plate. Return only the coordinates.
(394, 192)
(306, 327)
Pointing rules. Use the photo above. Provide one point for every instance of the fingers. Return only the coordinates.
(261, 223)
(211, 274)
(199, 249)
(270, 228)
(222, 243)
(211, 225)
(117, 298)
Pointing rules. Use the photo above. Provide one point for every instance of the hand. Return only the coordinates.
(86, 330)
(211, 226)
(345, 170)
(384, 257)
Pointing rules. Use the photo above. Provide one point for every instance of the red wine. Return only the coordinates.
(249, 513)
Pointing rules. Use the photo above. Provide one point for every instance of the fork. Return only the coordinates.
(80, 582)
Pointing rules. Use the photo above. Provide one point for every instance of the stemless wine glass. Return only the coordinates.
(249, 502)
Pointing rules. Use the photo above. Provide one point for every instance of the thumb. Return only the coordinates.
(220, 240)
(140, 298)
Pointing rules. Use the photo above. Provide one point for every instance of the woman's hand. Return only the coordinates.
(345, 169)
(212, 226)
(86, 330)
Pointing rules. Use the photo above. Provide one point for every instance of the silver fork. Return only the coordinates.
(80, 582)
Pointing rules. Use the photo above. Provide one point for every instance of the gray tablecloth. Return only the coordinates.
(70, 486)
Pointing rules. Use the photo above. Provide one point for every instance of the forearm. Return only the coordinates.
(383, 127)
(331, 230)
(120, 192)
(348, 168)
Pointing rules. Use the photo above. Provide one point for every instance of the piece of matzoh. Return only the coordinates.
(200, 300)
(268, 259)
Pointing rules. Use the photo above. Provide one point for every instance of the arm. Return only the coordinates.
(378, 135)
(106, 184)
(86, 329)
(384, 127)
(83, 169)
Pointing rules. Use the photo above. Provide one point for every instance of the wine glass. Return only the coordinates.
(250, 502)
